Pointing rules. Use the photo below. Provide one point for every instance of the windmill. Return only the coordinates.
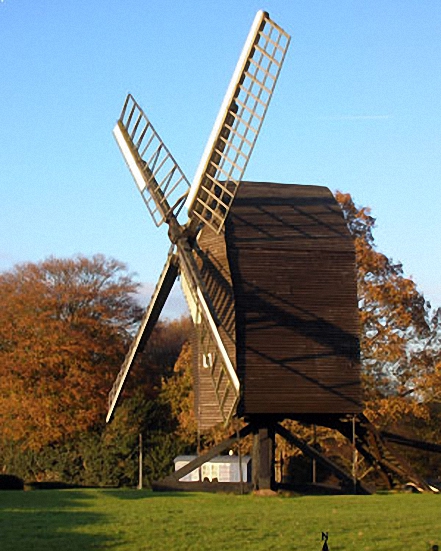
(268, 272)
(165, 190)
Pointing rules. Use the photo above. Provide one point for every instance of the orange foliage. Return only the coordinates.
(64, 325)
(159, 356)
(178, 392)
(395, 325)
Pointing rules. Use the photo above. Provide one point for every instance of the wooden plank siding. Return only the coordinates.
(292, 264)
(283, 282)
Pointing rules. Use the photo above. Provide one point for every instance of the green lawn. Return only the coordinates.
(136, 520)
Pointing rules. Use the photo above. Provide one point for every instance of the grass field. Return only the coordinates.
(136, 520)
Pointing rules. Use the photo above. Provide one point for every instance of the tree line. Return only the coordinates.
(65, 325)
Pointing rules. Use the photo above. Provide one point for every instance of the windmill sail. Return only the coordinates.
(160, 295)
(161, 182)
(238, 123)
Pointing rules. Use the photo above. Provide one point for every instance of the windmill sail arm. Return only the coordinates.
(155, 171)
(159, 297)
(219, 343)
(238, 123)
(225, 106)
(195, 286)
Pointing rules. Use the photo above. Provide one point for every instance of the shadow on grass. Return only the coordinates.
(51, 519)
(133, 494)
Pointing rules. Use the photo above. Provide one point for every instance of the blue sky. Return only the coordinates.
(357, 108)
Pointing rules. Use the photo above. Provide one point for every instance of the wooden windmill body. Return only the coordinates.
(282, 281)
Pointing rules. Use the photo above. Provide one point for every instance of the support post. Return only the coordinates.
(314, 461)
(140, 462)
(239, 452)
(263, 455)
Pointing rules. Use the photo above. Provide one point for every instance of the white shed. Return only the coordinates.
(223, 468)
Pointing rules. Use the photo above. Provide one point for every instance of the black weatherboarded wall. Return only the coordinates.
(292, 266)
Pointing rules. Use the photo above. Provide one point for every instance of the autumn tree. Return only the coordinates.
(397, 326)
(178, 392)
(159, 357)
(64, 329)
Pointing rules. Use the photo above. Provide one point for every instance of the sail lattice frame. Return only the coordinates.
(239, 121)
(160, 180)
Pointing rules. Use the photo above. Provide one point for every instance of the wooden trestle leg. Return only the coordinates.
(263, 474)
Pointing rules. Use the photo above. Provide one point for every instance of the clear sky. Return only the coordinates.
(357, 108)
